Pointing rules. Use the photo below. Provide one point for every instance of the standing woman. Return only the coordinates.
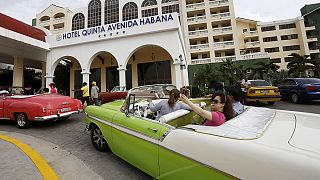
(53, 89)
(221, 109)
(168, 105)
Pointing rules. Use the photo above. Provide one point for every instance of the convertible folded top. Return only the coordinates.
(249, 125)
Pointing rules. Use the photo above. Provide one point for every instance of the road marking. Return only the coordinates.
(45, 170)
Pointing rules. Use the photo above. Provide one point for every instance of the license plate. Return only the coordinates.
(65, 109)
(265, 91)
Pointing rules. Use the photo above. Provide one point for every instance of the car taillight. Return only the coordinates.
(44, 110)
(311, 88)
(251, 91)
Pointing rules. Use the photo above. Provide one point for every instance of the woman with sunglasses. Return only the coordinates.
(221, 109)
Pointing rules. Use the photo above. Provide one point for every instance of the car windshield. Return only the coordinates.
(118, 88)
(160, 90)
(308, 81)
(259, 83)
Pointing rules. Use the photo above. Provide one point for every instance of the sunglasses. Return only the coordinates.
(215, 101)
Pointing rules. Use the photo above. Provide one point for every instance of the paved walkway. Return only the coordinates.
(26, 157)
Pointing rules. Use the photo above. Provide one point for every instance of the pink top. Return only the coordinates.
(218, 118)
(53, 90)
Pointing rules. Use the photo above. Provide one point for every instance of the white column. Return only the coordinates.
(103, 79)
(86, 77)
(49, 79)
(43, 74)
(18, 72)
(178, 75)
(122, 76)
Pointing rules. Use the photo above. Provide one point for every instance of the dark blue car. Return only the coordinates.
(300, 89)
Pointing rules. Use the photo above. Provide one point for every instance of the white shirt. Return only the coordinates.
(238, 108)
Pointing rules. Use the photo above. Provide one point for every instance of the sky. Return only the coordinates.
(260, 10)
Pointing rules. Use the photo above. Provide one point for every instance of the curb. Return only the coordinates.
(45, 170)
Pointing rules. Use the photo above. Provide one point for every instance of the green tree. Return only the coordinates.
(315, 61)
(299, 65)
(204, 75)
(265, 70)
(231, 72)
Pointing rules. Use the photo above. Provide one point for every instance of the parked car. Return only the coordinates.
(260, 143)
(300, 89)
(25, 109)
(117, 92)
(262, 91)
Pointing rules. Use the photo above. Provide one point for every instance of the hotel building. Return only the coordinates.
(155, 41)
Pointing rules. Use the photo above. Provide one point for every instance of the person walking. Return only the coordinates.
(85, 93)
(95, 93)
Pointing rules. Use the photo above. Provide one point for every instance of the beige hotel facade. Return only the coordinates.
(210, 31)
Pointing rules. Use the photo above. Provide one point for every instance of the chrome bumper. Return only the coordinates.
(56, 116)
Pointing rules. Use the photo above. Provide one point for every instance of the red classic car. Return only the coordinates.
(27, 108)
(117, 92)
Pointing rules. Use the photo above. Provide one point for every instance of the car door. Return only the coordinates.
(284, 88)
(136, 140)
(2, 99)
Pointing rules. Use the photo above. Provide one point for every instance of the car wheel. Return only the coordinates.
(22, 121)
(98, 140)
(295, 98)
(271, 102)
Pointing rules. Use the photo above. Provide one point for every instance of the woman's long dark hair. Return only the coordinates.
(227, 109)
(173, 97)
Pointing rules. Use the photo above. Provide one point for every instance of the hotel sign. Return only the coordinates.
(115, 26)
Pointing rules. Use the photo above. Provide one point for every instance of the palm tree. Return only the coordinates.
(231, 72)
(265, 70)
(316, 62)
(299, 65)
(204, 76)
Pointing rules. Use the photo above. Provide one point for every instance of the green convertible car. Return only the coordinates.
(260, 143)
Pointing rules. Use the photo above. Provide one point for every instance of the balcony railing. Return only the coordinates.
(199, 46)
(200, 61)
(250, 33)
(222, 30)
(314, 51)
(253, 56)
(312, 39)
(198, 32)
(218, 3)
(195, 6)
(252, 44)
(221, 16)
(224, 58)
(224, 44)
(310, 28)
(196, 19)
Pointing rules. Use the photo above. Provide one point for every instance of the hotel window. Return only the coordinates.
(287, 26)
(168, 1)
(78, 21)
(291, 48)
(276, 60)
(111, 11)
(149, 12)
(268, 28)
(94, 13)
(289, 37)
(272, 50)
(288, 59)
(129, 11)
(170, 9)
(270, 39)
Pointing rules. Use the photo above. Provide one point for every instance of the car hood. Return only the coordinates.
(307, 132)
(263, 87)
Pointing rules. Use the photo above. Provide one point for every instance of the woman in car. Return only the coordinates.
(168, 105)
(221, 109)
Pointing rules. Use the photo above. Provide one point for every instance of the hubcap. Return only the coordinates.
(98, 138)
(295, 98)
(21, 120)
